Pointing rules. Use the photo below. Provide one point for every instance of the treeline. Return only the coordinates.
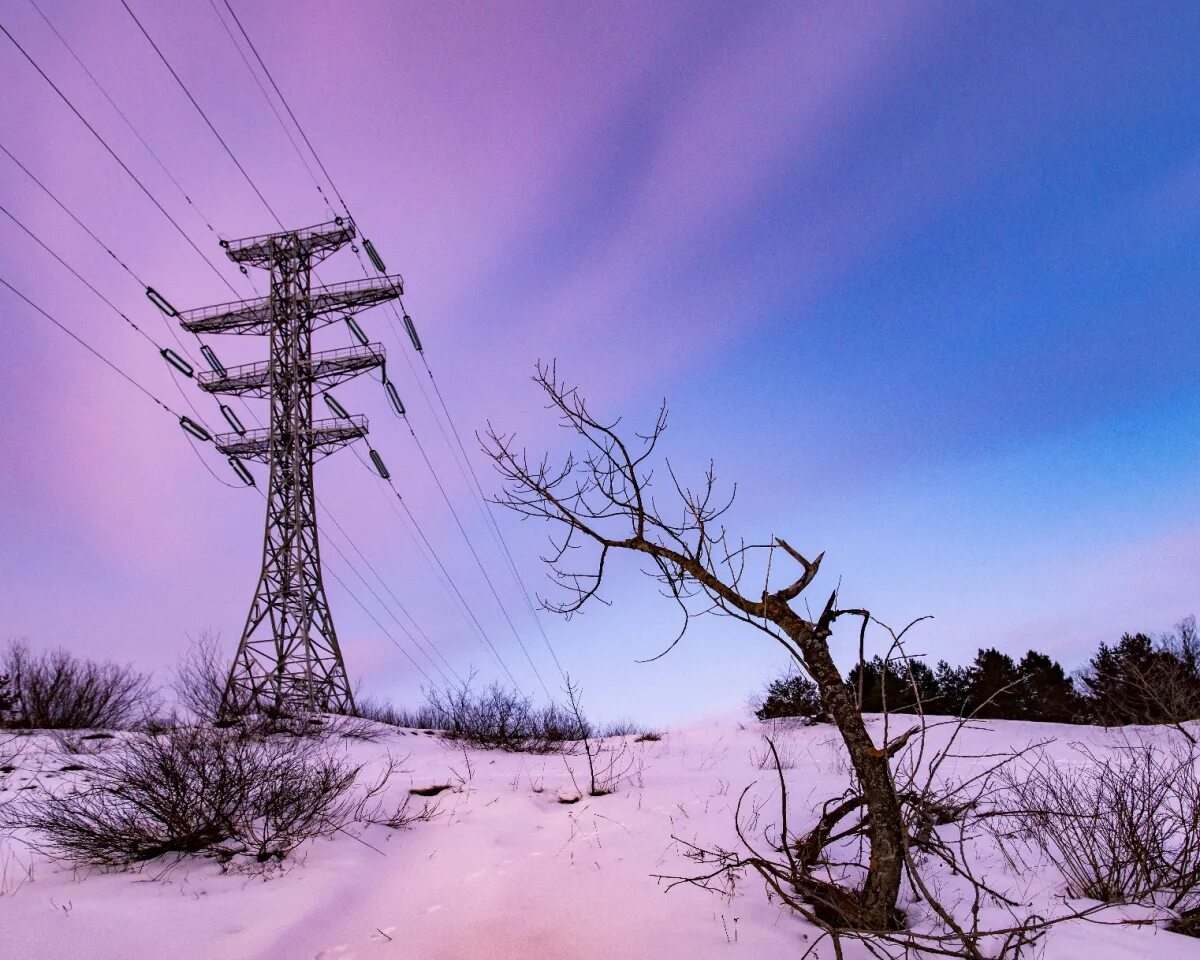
(1140, 679)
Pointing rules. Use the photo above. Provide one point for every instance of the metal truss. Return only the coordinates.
(289, 658)
(329, 304)
(329, 367)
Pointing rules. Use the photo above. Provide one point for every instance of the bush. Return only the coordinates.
(499, 718)
(56, 691)
(195, 790)
(386, 712)
(1125, 829)
(792, 695)
(496, 717)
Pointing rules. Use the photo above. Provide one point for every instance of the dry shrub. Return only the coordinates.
(56, 691)
(609, 764)
(11, 749)
(198, 790)
(498, 718)
(1122, 829)
(385, 712)
(781, 751)
(625, 728)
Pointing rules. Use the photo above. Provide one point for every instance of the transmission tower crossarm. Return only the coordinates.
(330, 303)
(323, 369)
(314, 243)
(322, 438)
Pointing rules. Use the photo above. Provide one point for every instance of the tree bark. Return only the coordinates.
(885, 827)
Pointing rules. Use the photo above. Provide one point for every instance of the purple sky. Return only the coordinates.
(920, 277)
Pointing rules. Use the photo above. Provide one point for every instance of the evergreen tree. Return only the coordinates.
(1111, 681)
(896, 679)
(995, 682)
(1139, 681)
(954, 689)
(792, 695)
(1046, 692)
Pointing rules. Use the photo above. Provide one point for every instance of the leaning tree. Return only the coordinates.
(604, 501)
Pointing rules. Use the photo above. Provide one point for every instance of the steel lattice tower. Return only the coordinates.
(289, 658)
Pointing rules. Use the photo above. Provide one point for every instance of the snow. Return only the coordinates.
(508, 869)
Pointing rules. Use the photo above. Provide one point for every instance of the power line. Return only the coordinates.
(112, 306)
(342, 583)
(121, 163)
(271, 103)
(83, 226)
(445, 573)
(353, 596)
(400, 605)
(121, 113)
(92, 350)
(479, 563)
(286, 105)
(78, 276)
(200, 110)
(499, 535)
(124, 266)
(379, 600)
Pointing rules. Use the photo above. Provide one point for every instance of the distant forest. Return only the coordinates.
(1139, 679)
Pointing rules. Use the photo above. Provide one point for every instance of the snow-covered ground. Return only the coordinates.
(506, 870)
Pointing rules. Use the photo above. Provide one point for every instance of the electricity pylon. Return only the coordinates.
(289, 657)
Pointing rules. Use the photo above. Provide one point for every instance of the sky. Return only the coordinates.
(919, 277)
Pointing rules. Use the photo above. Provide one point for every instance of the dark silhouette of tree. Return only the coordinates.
(9, 706)
(609, 498)
(995, 680)
(993, 686)
(1143, 681)
(1046, 692)
(900, 686)
(792, 695)
(954, 688)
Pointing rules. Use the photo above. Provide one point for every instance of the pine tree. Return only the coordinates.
(792, 695)
(995, 681)
(1046, 692)
(954, 688)
(1140, 681)
(896, 679)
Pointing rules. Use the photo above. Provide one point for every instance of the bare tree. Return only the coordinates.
(199, 681)
(603, 499)
(950, 800)
(607, 765)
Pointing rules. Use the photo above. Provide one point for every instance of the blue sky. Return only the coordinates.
(920, 277)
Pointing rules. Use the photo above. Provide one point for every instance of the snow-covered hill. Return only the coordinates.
(506, 870)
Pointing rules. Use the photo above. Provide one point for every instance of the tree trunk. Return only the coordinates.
(885, 828)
